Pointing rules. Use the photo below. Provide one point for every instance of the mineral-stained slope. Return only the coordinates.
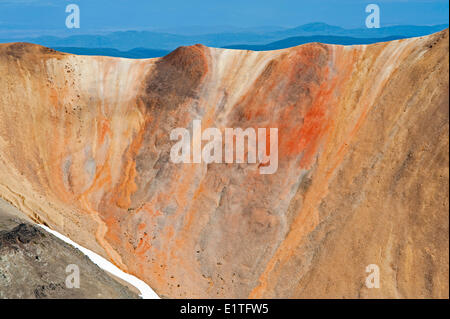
(362, 177)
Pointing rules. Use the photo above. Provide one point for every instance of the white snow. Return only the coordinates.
(145, 291)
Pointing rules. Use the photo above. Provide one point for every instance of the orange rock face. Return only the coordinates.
(362, 176)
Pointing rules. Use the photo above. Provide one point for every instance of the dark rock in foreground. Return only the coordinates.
(33, 264)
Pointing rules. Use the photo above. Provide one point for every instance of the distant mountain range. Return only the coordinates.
(136, 44)
(326, 29)
(138, 53)
(199, 30)
(294, 41)
(128, 40)
(143, 53)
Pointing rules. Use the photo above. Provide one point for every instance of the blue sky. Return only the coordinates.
(154, 14)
